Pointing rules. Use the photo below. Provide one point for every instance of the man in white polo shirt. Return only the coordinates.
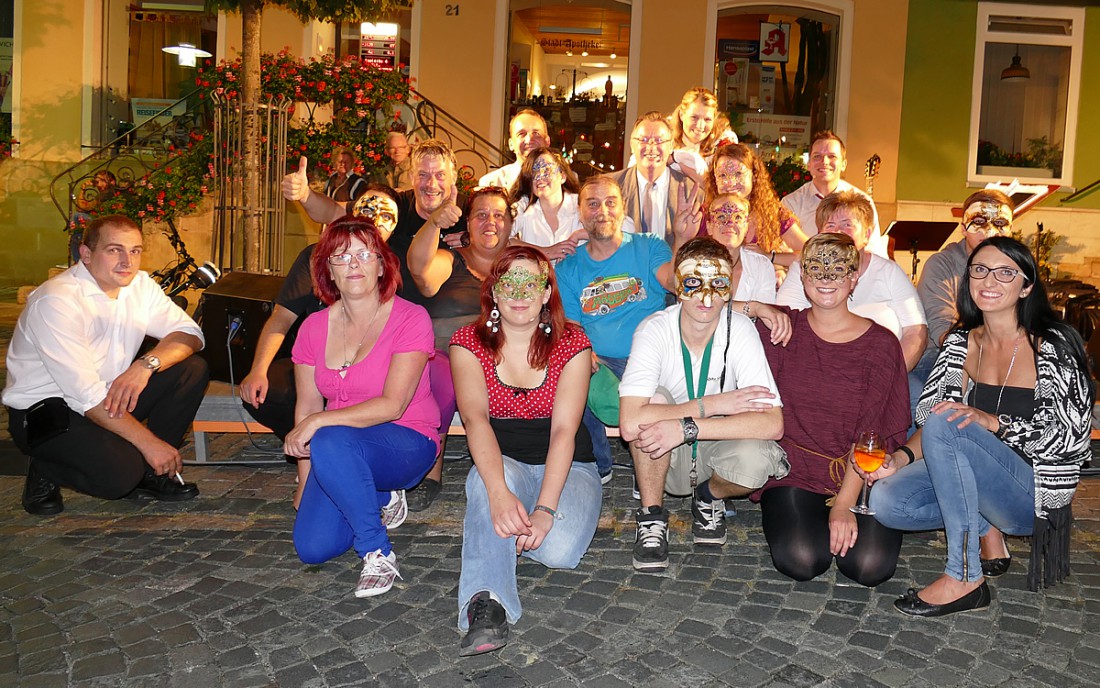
(699, 405)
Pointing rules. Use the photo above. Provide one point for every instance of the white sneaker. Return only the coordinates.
(395, 513)
(379, 572)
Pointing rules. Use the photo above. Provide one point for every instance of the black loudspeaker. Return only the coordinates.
(240, 302)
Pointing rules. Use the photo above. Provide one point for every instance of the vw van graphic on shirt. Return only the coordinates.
(605, 294)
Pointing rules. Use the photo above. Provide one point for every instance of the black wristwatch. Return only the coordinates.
(691, 430)
(150, 362)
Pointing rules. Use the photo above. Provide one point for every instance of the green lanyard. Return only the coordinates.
(694, 394)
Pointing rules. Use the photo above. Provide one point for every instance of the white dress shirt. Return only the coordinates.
(72, 340)
(660, 201)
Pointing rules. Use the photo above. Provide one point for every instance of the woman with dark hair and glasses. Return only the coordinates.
(534, 490)
(449, 282)
(365, 415)
(1005, 420)
(545, 198)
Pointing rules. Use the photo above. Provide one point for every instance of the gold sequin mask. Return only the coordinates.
(708, 279)
(378, 209)
(989, 217)
(830, 263)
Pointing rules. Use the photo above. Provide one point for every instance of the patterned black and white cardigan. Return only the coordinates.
(1055, 439)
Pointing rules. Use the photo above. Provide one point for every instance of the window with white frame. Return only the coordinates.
(1027, 74)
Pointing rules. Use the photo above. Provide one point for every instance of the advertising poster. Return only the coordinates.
(775, 42)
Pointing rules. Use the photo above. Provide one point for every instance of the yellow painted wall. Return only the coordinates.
(281, 29)
(50, 109)
(874, 112)
(456, 60)
(671, 57)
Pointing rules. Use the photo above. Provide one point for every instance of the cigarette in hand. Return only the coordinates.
(179, 477)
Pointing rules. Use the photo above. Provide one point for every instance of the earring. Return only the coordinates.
(493, 323)
(544, 320)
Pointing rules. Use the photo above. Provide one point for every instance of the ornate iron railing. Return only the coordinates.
(129, 157)
(476, 155)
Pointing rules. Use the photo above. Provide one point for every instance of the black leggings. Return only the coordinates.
(796, 525)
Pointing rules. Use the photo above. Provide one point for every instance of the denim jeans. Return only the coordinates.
(353, 472)
(969, 479)
(489, 561)
(601, 446)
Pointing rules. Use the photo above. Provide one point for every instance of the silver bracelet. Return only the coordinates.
(702, 411)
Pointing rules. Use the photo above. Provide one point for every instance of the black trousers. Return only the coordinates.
(796, 526)
(277, 411)
(93, 460)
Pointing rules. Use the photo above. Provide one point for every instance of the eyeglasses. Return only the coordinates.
(361, 256)
(982, 224)
(650, 140)
(1005, 275)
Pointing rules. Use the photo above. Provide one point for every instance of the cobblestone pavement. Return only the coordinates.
(210, 593)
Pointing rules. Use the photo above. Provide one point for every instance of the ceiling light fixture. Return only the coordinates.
(186, 53)
(1015, 71)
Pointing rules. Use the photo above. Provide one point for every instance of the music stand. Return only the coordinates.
(918, 235)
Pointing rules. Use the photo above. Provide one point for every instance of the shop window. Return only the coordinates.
(776, 72)
(1027, 69)
(7, 41)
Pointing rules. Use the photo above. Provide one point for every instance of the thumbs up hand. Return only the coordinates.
(446, 215)
(296, 184)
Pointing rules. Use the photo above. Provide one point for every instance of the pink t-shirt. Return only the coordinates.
(408, 329)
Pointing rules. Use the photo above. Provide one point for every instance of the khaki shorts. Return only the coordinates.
(748, 463)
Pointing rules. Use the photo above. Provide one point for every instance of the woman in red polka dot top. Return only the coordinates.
(521, 375)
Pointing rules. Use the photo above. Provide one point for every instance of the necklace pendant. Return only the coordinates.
(346, 365)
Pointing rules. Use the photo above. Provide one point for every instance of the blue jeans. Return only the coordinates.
(968, 480)
(353, 471)
(601, 446)
(489, 561)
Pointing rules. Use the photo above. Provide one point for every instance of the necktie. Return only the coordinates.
(647, 207)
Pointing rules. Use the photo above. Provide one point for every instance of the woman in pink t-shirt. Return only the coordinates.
(365, 415)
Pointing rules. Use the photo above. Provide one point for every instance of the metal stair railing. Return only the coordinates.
(130, 156)
(476, 155)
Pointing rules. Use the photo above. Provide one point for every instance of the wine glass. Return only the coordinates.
(869, 452)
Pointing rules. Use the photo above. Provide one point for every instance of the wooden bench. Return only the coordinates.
(222, 412)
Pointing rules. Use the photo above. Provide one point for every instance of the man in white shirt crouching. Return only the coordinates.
(89, 414)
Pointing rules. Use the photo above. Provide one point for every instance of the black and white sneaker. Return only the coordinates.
(708, 525)
(488, 626)
(651, 541)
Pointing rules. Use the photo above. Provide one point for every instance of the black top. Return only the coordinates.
(409, 223)
(1018, 402)
(296, 295)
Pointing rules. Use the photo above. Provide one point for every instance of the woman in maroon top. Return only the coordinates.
(521, 374)
(839, 375)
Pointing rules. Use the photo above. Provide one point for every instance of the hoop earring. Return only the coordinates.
(493, 323)
(544, 320)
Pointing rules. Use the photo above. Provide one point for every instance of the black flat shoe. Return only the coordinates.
(41, 496)
(164, 488)
(421, 497)
(992, 568)
(913, 605)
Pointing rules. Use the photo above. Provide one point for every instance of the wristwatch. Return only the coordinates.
(1005, 422)
(691, 430)
(150, 362)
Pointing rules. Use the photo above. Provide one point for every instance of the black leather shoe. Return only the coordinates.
(421, 497)
(913, 605)
(992, 568)
(41, 497)
(164, 488)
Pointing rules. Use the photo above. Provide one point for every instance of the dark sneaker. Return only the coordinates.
(651, 541)
(41, 496)
(488, 626)
(708, 525)
(421, 497)
(165, 488)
